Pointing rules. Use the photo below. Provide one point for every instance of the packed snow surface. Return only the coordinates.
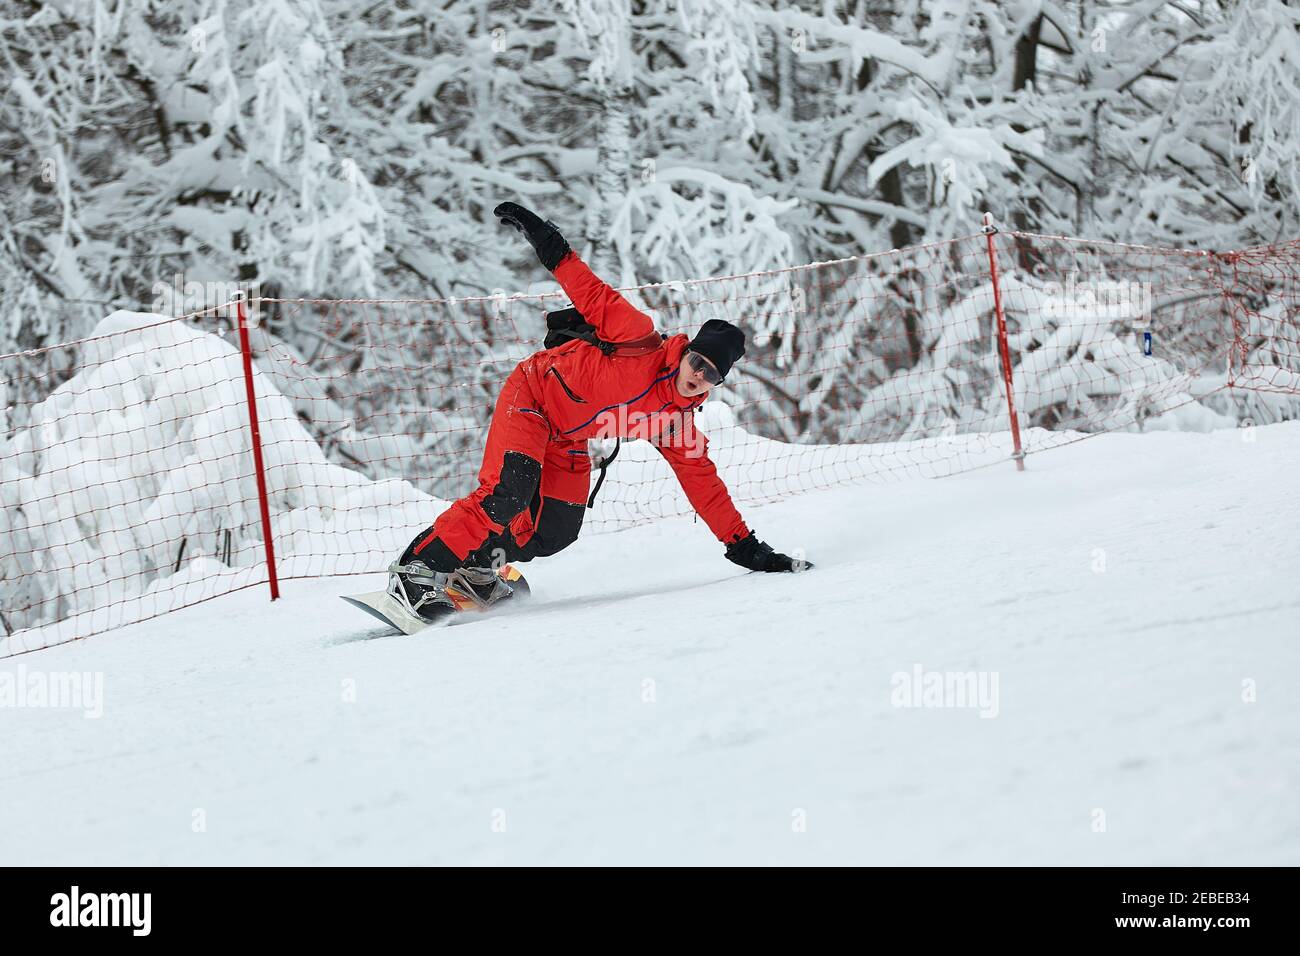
(1092, 662)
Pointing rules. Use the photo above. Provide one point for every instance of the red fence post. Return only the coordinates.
(257, 445)
(989, 231)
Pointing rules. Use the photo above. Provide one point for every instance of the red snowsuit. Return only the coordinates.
(534, 480)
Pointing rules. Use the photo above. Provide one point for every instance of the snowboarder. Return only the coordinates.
(534, 480)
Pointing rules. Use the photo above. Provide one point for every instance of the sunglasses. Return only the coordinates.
(704, 367)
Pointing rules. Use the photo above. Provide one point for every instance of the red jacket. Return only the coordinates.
(587, 394)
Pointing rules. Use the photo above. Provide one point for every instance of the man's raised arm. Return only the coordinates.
(615, 319)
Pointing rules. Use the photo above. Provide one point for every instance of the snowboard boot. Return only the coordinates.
(483, 585)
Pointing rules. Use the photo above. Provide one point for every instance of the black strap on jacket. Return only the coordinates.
(591, 502)
(564, 325)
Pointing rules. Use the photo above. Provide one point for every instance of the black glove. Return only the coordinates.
(753, 554)
(544, 237)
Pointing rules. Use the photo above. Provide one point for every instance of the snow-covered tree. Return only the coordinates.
(321, 149)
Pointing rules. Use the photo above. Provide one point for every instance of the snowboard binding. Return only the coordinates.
(418, 596)
(430, 594)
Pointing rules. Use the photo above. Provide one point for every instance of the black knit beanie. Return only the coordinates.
(720, 342)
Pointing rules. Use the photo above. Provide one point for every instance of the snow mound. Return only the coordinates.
(132, 488)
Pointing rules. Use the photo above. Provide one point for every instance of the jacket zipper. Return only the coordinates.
(565, 385)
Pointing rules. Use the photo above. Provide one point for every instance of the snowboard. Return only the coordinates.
(383, 606)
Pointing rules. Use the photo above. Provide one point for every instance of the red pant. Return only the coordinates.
(531, 496)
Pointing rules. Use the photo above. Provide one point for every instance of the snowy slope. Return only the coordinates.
(1122, 590)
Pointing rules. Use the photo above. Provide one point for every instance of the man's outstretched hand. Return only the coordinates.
(753, 554)
(544, 237)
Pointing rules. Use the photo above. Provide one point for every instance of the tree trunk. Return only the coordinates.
(1027, 216)
(613, 164)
